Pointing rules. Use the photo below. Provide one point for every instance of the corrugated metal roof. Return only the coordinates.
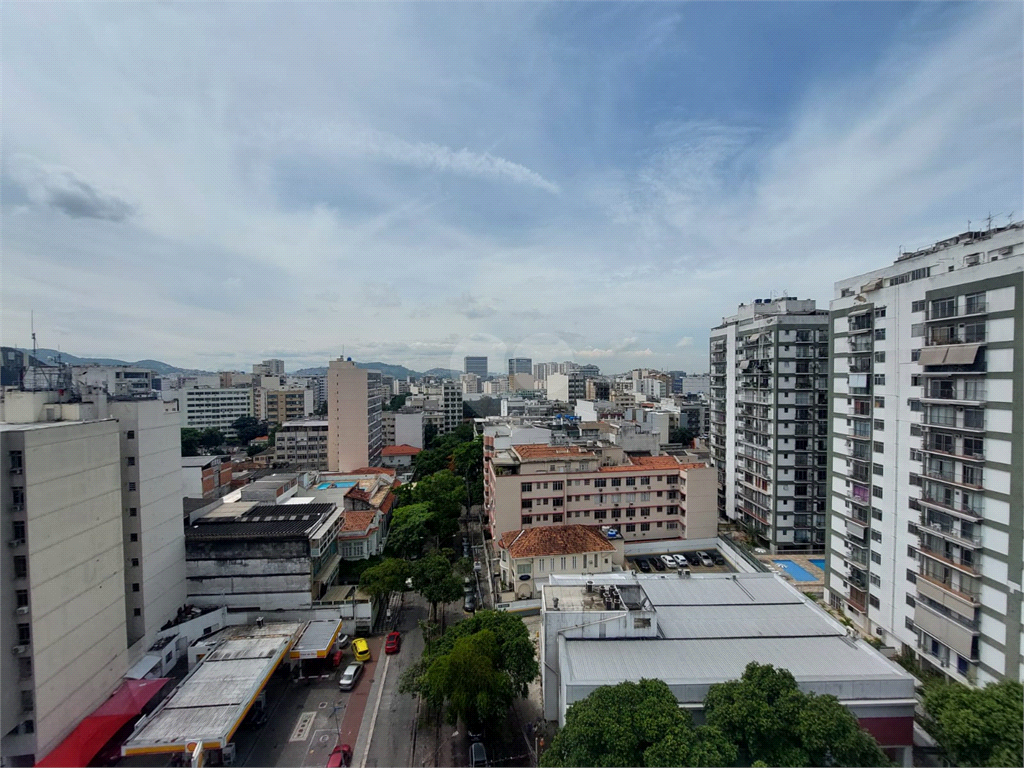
(730, 621)
(318, 635)
(762, 589)
(696, 662)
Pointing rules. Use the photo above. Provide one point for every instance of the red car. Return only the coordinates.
(393, 643)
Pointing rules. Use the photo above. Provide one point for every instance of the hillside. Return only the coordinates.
(49, 356)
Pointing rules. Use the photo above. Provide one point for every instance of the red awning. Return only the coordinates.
(82, 744)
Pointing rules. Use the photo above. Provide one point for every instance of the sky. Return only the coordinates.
(214, 184)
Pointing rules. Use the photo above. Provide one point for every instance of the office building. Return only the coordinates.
(475, 365)
(471, 383)
(520, 365)
(927, 463)
(302, 443)
(769, 421)
(353, 415)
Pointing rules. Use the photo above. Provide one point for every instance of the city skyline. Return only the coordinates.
(420, 183)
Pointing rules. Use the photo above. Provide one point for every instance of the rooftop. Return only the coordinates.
(399, 450)
(554, 540)
(537, 451)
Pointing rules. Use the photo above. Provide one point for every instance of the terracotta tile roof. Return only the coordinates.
(371, 471)
(537, 451)
(388, 503)
(555, 540)
(639, 463)
(399, 450)
(358, 493)
(358, 521)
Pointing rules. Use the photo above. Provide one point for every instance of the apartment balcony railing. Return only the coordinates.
(973, 420)
(968, 565)
(972, 510)
(973, 481)
(947, 392)
(857, 556)
(950, 532)
(940, 337)
(952, 451)
(964, 592)
(946, 311)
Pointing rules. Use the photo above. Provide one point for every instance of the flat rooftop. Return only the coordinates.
(317, 639)
(210, 703)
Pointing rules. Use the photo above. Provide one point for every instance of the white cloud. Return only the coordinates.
(683, 343)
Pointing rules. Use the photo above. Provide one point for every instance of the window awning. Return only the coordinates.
(962, 354)
(744, 364)
(855, 528)
(933, 356)
(83, 743)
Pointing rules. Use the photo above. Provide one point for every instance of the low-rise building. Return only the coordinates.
(605, 629)
(205, 477)
(120, 380)
(641, 497)
(528, 557)
(398, 456)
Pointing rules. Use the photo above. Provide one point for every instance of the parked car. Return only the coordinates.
(350, 676)
(341, 756)
(393, 642)
(681, 561)
(343, 641)
(692, 558)
(469, 605)
(642, 564)
(717, 557)
(477, 755)
(705, 559)
(360, 649)
(669, 561)
(658, 563)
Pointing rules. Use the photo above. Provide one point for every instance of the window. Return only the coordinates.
(919, 306)
(879, 311)
(133, 511)
(27, 701)
(873, 600)
(630, 527)
(879, 357)
(876, 580)
(20, 567)
(915, 430)
(527, 520)
(630, 481)
(915, 355)
(17, 459)
(911, 576)
(879, 334)
(135, 562)
(21, 598)
(600, 482)
(616, 482)
(876, 513)
(137, 612)
(557, 485)
(917, 330)
(876, 491)
(135, 587)
(876, 558)
(131, 461)
(876, 535)
(878, 447)
(131, 486)
(915, 405)
(916, 455)
(880, 424)
(877, 469)
(879, 379)
(527, 487)
(24, 634)
(645, 526)
(974, 303)
(879, 402)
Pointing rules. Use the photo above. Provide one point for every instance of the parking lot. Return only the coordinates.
(693, 563)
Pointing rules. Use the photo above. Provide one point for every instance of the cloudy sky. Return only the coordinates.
(212, 184)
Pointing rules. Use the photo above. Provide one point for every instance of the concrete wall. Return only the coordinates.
(76, 574)
(701, 505)
(409, 429)
(348, 436)
(267, 575)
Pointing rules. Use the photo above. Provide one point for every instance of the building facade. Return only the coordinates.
(115, 379)
(475, 365)
(219, 408)
(566, 387)
(353, 415)
(302, 443)
(769, 421)
(280, 405)
(272, 367)
(927, 459)
(642, 498)
(520, 365)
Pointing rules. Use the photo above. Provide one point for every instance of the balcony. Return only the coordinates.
(948, 392)
(974, 480)
(941, 589)
(967, 565)
(856, 556)
(857, 598)
(969, 419)
(943, 336)
(945, 449)
(949, 532)
(950, 504)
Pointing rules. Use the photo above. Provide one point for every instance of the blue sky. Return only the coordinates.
(212, 184)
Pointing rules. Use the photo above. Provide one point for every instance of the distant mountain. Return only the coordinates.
(397, 371)
(49, 357)
(447, 373)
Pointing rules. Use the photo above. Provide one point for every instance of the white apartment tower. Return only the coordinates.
(354, 436)
(927, 454)
(769, 421)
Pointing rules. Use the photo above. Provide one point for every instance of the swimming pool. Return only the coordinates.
(797, 572)
(325, 486)
(819, 563)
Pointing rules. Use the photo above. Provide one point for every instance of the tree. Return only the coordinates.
(478, 667)
(395, 403)
(770, 720)
(409, 530)
(978, 727)
(211, 438)
(248, 427)
(635, 724)
(680, 435)
(382, 580)
(321, 410)
(468, 459)
(434, 578)
(190, 441)
(429, 433)
(253, 449)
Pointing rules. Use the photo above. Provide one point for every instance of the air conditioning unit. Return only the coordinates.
(879, 631)
(19, 650)
(21, 610)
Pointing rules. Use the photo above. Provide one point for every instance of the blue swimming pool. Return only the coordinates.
(325, 486)
(797, 572)
(819, 563)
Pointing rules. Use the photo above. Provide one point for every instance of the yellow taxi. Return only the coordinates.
(360, 649)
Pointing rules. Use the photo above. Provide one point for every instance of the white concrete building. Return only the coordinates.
(216, 407)
(115, 379)
(769, 421)
(566, 387)
(272, 367)
(926, 462)
(302, 443)
(353, 414)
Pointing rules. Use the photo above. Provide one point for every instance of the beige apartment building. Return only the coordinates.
(303, 443)
(353, 414)
(286, 404)
(642, 497)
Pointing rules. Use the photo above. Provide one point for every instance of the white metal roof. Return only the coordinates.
(317, 639)
(719, 589)
(693, 622)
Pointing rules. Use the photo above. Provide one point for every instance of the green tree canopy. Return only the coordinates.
(211, 438)
(395, 403)
(190, 441)
(382, 580)
(769, 719)
(680, 435)
(248, 427)
(435, 579)
(635, 724)
(409, 531)
(978, 727)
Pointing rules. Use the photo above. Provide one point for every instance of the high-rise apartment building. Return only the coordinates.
(219, 408)
(566, 387)
(769, 421)
(280, 405)
(354, 435)
(476, 365)
(272, 367)
(302, 443)
(927, 454)
(520, 365)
